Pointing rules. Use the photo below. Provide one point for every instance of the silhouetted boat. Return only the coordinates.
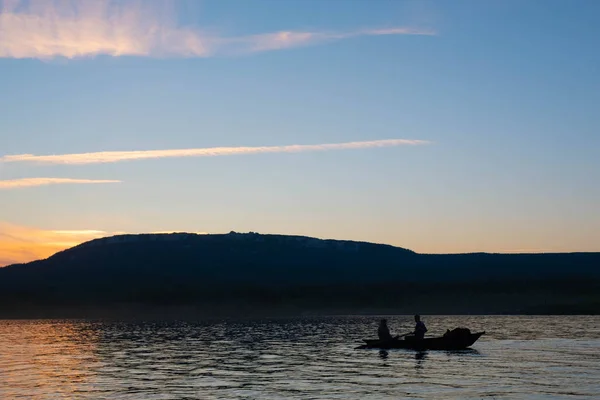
(438, 343)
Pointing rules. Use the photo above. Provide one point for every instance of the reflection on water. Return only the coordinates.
(420, 357)
(519, 357)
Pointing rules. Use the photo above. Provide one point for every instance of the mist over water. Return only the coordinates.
(519, 357)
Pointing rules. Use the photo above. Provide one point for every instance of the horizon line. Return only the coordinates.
(23, 244)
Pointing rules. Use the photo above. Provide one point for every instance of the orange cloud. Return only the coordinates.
(83, 28)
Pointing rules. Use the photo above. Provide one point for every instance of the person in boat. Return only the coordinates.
(420, 328)
(384, 331)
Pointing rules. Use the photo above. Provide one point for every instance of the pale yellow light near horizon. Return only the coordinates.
(20, 244)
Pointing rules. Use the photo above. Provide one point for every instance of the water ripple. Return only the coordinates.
(519, 357)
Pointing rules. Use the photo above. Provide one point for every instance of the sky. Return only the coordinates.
(438, 126)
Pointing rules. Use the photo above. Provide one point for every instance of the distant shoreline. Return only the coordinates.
(192, 313)
(188, 275)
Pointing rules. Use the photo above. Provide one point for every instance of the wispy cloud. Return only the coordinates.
(116, 156)
(30, 182)
(288, 39)
(81, 28)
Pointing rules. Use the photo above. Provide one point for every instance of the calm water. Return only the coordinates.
(519, 357)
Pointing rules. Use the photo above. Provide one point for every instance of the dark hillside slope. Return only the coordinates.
(293, 272)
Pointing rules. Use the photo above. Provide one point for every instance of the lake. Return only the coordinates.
(538, 357)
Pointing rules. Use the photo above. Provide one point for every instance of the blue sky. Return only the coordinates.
(505, 93)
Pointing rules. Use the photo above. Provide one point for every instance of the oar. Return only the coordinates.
(401, 336)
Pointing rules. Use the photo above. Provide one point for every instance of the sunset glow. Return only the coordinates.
(433, 126)
(20, 244)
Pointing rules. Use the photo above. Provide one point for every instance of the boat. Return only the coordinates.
(446, 342)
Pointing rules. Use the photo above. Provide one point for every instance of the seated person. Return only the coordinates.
(420, 328)
(383, 331)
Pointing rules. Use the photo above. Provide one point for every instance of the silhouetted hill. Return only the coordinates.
(239, 273)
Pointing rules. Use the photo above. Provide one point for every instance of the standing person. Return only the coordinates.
(420, 328)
